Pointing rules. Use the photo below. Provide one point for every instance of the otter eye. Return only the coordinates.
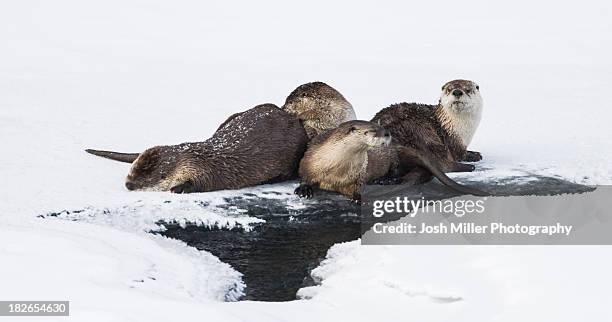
(477, 87)
(353, 129)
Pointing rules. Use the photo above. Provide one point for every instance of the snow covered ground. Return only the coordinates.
(126, 75)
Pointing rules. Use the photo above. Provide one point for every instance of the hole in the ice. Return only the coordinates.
(275, 258)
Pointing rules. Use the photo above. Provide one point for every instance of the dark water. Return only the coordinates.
(276, 257)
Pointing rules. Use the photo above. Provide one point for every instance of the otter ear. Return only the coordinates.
(351, 129)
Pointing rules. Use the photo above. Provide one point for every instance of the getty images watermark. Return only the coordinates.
(404, 217)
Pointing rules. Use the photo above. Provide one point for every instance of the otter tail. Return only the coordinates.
(117, 156)
(414, 156)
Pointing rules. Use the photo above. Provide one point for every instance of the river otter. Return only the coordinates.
(444, 130)
(319, 106)
(339, 160)
(261, 145)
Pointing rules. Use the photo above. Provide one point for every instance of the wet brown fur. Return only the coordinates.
(426, 128)
(319, 106)
(337, 160)
(418, 126)
(355, 163)
(261, 145)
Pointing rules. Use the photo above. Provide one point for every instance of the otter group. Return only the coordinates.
(315, 135)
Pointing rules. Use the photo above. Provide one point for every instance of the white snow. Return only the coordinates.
(109, 275)
(458, 283)
(131, 74)
(144, 215)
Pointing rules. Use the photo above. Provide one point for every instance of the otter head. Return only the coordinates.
(461, 108)
(361, 135)
(340, 156)
(319, 106)
(461, 96)
(152, 170)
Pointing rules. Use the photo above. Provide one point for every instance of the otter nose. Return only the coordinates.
(457, 93)
(130, 185)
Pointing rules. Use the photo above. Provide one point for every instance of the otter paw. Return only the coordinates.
(304, 191)
(472, 156)
(186, 187)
